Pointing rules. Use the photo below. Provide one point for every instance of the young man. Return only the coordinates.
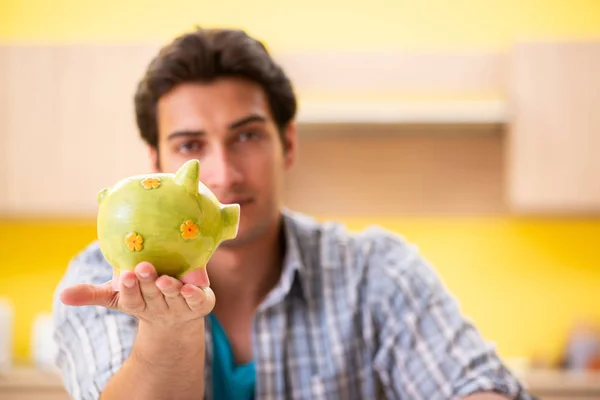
(305, 310)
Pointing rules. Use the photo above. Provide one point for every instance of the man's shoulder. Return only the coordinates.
(88, 266)
(371, 247)
(336, 231)
(91, 254)
(373, 265)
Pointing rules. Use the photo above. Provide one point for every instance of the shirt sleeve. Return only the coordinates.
(427, 348)
(92, 342)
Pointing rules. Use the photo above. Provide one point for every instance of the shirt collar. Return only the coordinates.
(295, 271)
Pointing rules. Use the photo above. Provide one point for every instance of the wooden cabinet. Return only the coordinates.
(553, 138)
(68, 126)
(67, 129)
(68, 115)
(3, 131)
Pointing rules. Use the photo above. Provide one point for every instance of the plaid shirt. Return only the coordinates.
(354, 316)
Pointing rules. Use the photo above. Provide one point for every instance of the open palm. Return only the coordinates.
(142, 293)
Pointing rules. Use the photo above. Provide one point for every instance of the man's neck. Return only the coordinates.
(244, 275)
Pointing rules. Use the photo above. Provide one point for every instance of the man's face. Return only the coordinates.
(227, 125)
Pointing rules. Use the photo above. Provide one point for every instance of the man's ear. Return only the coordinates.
(154, 158)
(290, 145)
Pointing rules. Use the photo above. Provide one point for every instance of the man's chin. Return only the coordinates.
(239, 241)
(248, 232)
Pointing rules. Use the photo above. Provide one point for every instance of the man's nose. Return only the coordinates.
(218, 170)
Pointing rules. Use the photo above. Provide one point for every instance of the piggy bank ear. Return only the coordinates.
(189, 175)
(102, 194)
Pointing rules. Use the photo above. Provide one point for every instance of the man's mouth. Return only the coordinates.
(241, 201)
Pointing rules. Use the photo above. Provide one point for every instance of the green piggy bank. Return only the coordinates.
(170, 220)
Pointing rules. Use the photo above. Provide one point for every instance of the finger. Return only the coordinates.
(199, 300)
(170, 288)
(198, 277)
(131, 299)
(84, 294)
(153, 297)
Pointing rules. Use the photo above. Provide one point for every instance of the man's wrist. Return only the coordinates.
(166, 345)
(168, 331)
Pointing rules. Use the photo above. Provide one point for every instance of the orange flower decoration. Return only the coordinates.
(134, 241)
(151, 183)
(189, 230)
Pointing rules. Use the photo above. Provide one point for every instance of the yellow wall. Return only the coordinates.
(307, 24)
(523, 281)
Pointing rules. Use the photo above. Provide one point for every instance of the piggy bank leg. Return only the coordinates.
(115, 279)
(197, 277)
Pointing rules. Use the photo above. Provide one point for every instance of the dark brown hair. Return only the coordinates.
(205, 55)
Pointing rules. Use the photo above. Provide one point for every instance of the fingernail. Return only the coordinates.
(162, 285)
(144, 274)
(128, 282)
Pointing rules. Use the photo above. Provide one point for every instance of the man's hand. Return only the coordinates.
(167, 358)
(163, 300)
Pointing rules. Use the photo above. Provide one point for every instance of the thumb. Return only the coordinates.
(84, 294)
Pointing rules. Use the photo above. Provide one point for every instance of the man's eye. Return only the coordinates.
(245, 136)
(189, 147)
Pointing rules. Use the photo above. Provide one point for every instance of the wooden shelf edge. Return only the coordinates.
(403, 111)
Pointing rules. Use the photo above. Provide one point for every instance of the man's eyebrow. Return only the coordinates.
(236, 124)
(185, 133)
(246, 120)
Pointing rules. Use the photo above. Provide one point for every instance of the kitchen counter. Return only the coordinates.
(553, 384)
(23, 383)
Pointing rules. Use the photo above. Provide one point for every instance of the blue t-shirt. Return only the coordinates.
(230, 381)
